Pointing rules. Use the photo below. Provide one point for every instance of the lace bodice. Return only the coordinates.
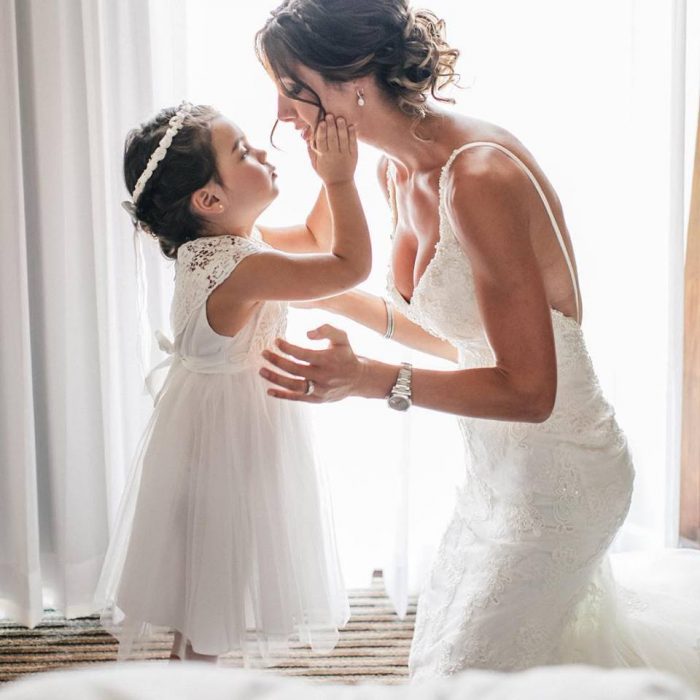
(202, 265)
(444, 300)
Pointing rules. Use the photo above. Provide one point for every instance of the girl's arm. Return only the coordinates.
(369, 310)
(286, 277)
(314, 236)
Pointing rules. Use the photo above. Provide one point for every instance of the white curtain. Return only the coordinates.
(74, 76)
(598, 92)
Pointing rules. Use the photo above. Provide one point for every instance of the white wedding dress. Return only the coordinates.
(522, 576)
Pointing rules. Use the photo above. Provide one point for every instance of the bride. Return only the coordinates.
(482, 273)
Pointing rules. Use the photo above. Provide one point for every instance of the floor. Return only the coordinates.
(373, 646)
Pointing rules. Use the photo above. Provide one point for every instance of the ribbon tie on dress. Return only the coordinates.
(166, 345)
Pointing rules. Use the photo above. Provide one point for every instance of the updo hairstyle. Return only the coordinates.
(163, 209)
(403, 48)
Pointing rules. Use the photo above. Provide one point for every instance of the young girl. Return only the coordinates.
(225, 532)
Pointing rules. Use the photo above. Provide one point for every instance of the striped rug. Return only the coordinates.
(373, 646)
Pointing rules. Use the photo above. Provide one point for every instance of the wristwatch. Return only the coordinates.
(400, 395)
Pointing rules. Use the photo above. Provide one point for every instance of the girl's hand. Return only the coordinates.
(333, 150)
(336, 371)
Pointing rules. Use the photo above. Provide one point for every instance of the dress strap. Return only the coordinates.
(543, 197)
(391, 189)
(167, 346)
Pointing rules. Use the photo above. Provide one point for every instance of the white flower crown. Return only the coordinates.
(174, 125)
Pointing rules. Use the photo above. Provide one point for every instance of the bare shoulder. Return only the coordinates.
(488, 164)
(487, 194)
(480, 179)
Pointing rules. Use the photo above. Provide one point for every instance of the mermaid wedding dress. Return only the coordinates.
(523, 576)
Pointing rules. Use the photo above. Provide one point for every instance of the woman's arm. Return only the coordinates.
(314, 236)
(488, 202)
(369, 310)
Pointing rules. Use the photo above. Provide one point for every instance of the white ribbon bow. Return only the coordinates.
(166, 345)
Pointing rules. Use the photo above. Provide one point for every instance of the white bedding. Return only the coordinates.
(199, 681)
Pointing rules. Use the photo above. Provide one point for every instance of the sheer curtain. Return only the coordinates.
(74, 76)
(598, 94)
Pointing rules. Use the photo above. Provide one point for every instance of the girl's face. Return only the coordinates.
(338, 99)
(247, 179)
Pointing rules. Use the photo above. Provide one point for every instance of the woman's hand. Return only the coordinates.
(335, 371)
(333, 151)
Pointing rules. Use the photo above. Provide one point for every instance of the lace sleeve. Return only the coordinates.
(202, 265)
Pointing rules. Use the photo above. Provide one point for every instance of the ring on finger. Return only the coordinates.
(310, 386)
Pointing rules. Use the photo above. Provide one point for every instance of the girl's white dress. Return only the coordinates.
(225, 528)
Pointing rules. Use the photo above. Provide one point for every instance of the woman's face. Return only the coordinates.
(339, 99)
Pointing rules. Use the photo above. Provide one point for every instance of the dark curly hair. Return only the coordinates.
(403, 48)
(163, 209)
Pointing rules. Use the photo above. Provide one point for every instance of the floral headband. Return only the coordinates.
(174, 125)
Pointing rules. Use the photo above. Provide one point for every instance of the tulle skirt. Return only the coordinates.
(225, 529)
(642, 609)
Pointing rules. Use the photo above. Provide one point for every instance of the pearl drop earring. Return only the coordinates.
(360, 97)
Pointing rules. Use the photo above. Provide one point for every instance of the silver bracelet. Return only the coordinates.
(389, 319)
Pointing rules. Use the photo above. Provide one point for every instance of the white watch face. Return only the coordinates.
(400, 403)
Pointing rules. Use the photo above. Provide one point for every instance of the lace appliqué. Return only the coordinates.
(467, 648)
(633, 601)
(583, 618)
(272, 323)
(472, 574)
(474, 499)
(524, 519)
